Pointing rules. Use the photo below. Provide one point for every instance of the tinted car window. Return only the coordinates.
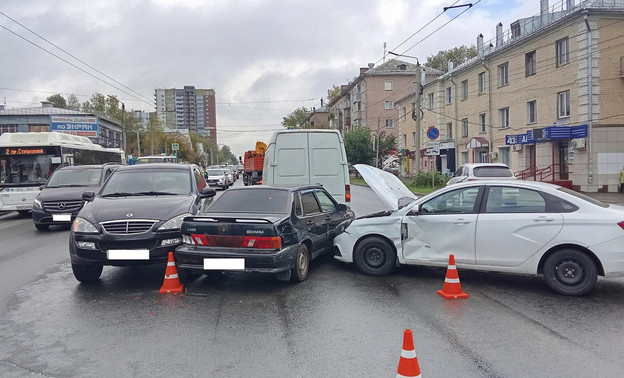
(176, 181)
(310, 206)
(75, 177)
(268, 201)
(215, 172)
(492, 172)
(327, 205)
(199, 178)
(514, 200)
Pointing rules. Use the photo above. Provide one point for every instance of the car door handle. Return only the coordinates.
(543, 219)
(309, 223)
(461, 221)
(328, 218)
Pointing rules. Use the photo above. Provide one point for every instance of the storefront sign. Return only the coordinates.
(75, 125)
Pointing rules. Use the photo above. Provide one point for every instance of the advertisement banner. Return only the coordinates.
(76, 125)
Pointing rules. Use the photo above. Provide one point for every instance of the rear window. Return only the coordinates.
(492, 172)
(268, 201)
(68, 177)
(215, 172)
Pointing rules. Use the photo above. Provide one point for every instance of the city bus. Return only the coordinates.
(28, 159)
(156, 159)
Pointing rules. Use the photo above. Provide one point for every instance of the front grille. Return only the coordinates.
(62, 206)
(129, 244)
(128, 226)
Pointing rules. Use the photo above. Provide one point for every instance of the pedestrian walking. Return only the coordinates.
(621, 188)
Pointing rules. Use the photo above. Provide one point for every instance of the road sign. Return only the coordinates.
(175, 146)
(432, 151)
(433, 133)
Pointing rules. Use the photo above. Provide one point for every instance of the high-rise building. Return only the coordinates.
(188, 108)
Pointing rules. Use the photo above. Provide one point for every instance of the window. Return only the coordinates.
(449, 98)
(563, 104)
(449, 130)
(503, 155)
(464, 89)
(465, 127)
(310, 205)
(502, 199)
(389, 105)
(388, 85)
(460, 201)
(327, 204)
(430, 96)
(482, 82)
(389, 123)
(503, 74)
(404, 140)
(464, 157)
(503, 117)
(413, 138)
(562, 51)
(529, 64)
(482, 122)
(531, 111)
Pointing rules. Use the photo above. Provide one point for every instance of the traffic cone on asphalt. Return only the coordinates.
(408, 363)
(171, 284)
(452, 288)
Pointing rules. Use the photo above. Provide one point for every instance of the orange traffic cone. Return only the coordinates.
(171, 284)
(408, 363)
(452, 288)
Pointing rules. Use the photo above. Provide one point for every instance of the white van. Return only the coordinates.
(311, 156)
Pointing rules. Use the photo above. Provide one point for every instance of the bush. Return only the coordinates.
(423, 180)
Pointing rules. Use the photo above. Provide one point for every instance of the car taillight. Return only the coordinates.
(621, 224)
(347, 193)
(264, 242)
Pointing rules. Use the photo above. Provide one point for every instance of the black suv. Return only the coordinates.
(60, 198)
(135, 218)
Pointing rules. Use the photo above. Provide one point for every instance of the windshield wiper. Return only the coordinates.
(153, 193)
(122, 194)
(70, 185)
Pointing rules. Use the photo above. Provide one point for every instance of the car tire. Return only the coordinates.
(87, 273)
(42, 227)
(570, 272)
(302, 265)
(374, 256)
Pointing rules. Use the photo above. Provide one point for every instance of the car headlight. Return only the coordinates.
(37, 204)
(174, 223)
(83, 226)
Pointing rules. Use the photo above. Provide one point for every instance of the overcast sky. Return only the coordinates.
(263, 58)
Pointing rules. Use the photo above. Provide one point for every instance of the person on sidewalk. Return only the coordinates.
(621, 188)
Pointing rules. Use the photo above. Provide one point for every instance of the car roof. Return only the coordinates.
(485, 165)
(518, 183)
(284, 188)
(157, 166)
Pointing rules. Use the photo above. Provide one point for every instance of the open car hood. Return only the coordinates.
(387, 186)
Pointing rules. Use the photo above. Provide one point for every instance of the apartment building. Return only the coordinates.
(369, 100)
(544, 97)
(188, 108)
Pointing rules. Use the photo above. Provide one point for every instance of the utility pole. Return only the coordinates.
(416, 116)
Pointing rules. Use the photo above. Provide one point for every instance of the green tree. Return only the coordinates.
(73, 103)
(457, 55)
(58, 101)
(358, 146)
(296, 118)
(97, 104)
(387, 146)
(333, 93)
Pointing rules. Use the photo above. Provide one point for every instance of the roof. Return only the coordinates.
(45, 110)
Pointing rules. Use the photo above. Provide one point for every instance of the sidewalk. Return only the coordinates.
(616, 198)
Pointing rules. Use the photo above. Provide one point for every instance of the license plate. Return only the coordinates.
(24, 207)
(224, 264)
(61, 217)
(127, 254)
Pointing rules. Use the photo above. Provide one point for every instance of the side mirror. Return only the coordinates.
(207, 193)
(415, 211)
(88, 196)
(41, 187)
(342, 207)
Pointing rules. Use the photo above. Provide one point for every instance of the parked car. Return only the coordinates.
(481, 171)
(217, 177)
(509, 226)
(262, 229)
(135, 217)
(60, 199)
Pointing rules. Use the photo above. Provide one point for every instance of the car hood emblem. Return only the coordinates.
(129, 215)
(61, 205)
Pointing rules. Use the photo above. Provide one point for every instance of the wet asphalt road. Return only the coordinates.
(338, 323)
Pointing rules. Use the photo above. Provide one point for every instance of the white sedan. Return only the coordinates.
(508, 226)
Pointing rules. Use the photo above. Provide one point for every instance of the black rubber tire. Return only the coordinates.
(374, 256)
(42, 227)
(570, 272)
(302, 265)
(87, 273)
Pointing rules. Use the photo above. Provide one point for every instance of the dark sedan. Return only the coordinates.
(262, 229)
(135, 218)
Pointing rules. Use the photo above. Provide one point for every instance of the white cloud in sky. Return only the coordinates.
(280, 54)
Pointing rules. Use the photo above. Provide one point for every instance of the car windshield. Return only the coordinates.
(148, 182)
(267, 201)
(75, 177)
(492, 172)
(215, 172)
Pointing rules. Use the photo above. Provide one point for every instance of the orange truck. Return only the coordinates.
(254, 160)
